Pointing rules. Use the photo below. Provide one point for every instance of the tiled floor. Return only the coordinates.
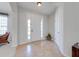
(38, 49)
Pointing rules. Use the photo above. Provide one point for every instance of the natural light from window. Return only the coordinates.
(41, 28)
(29, 29)
(3, 24)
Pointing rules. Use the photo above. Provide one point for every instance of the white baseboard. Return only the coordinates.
(26, 42)
(14, 45)
(60, 50)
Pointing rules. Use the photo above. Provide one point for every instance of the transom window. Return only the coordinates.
(3, 23)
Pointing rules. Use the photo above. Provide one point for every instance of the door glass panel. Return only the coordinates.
(29, 29)
(41, 28)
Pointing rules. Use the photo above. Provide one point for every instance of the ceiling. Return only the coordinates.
(4, 9)
(47, 7)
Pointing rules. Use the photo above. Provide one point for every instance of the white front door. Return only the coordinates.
(34, 28)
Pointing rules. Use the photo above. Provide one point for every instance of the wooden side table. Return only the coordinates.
(75, 50)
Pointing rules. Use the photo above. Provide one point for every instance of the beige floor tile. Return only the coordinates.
(38, 49)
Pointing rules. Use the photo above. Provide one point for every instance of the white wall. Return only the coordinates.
(51, 22)
(55, 26)
(9, 50)
(71, 26)
(13, 24)
(11, 9)
(5, 7)
(66, 35)
(45, 26)
(24, 15)
(58, 28)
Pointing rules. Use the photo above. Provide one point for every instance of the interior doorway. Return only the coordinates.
(34, 28)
